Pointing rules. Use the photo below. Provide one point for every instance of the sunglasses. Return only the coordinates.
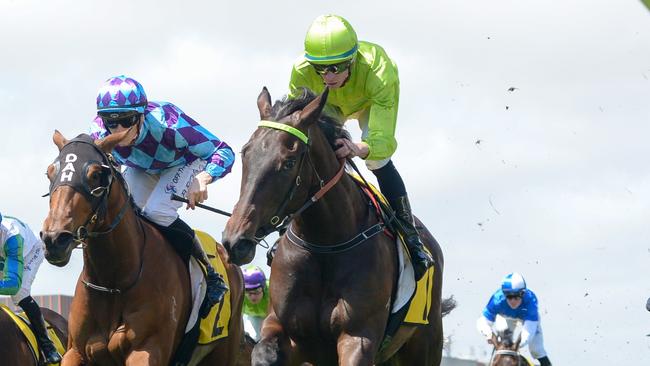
(515, 296)
(126, 120)
(334, 68)
(255, 291)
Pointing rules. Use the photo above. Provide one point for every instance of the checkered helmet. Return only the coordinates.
(121, 94)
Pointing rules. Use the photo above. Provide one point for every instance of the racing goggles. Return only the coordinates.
(516, 295)
(333, 68)
(125, 119)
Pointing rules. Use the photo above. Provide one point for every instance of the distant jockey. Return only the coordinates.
(515, 303)
(256, 302)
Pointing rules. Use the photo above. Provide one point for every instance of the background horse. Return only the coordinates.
(15, 349)
(330, 294)
(506, 351)
(132, 299)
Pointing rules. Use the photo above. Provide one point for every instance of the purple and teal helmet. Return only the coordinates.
(253, 277)
(121, 94)
(513, 284)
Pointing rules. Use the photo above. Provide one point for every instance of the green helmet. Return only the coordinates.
(330, 40)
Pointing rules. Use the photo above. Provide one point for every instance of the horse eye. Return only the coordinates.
(52, 170)
(289, 164)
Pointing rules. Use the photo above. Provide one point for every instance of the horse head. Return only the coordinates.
(506, 351)
(80, 185)
(276, 177)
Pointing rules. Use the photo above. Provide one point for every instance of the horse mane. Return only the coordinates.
(330, 122)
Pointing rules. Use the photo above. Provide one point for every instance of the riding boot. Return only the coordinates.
(216, 286)
(37, 322)
(421, 259)
(544, 361)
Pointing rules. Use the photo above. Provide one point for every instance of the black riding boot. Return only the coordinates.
(420, 258)
(216, 286)
(544, 361)
(38, 325)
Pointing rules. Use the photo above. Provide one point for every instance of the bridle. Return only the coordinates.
(278, 224)
(99, 199)
(506, 352)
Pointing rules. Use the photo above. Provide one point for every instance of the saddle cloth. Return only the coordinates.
(215, 325)
(417, 296)
(23, 324)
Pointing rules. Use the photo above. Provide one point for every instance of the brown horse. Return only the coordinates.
(15, 349)
(331, 289)
(506, 351)
(132, 299)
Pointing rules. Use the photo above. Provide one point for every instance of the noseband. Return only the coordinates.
(506, 352)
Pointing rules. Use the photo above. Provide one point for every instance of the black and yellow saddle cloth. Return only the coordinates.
(215, 325)
(416, 309)
(23, 324)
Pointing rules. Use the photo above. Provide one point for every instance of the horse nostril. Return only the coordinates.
(46, 238)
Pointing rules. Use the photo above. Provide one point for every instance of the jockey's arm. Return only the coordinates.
(529, 328)
(484, 326)
(382, 120)
(13, 272)
(207, 146)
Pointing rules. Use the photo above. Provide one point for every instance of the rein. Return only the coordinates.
(277, 224)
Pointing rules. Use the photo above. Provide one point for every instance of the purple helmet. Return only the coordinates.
(121, 94)
(253, 277)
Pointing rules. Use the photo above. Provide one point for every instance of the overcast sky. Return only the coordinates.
(550, 179)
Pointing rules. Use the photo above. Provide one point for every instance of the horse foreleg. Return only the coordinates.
(355, 350)
(274, 347)
(144, 357)
(72, 357)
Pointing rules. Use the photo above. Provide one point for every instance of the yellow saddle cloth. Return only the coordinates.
(420, 305)
(215, 325)
(23, 324)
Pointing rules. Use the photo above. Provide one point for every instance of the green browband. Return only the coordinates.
(286, 128)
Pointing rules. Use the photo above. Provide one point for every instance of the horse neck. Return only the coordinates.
(114, 259)
(342, 207)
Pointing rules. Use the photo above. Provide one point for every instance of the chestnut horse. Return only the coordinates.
(506, 351)
(15, 349)
(132, 299)
(332, 282)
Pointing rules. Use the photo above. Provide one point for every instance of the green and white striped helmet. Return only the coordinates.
(330, 40)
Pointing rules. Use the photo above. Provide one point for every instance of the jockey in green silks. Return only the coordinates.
(364, 85)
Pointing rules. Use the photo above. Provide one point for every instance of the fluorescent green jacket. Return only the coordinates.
(372, 89)
(260, 309)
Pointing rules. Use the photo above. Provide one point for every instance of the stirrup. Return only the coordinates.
(215, 291)
(52, 356)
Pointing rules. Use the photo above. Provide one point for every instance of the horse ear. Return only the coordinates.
(59, 140)
(264, 104)
(517, 342)
(312, 111)
(108, 143)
